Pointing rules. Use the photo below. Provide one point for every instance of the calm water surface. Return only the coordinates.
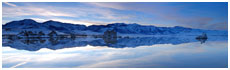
(144, 52)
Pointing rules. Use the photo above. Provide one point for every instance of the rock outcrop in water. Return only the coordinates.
(35, 44)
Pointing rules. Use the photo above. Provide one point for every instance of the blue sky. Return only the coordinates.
(201, 15)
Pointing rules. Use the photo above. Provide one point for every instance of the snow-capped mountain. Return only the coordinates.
(15, 27)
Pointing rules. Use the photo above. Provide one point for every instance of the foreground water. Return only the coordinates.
(144, 52)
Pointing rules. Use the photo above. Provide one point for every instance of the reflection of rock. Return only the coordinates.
(202, 40)
(53, 40)
(110, 40)
(110, 34)
(34, 44)
(32, 41)
(9, 36)
(203, 36)
(53, 34)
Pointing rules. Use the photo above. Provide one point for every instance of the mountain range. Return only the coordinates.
(15, 27)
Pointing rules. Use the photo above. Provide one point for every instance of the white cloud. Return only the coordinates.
(65, 21)
(49, 11)
(109, 5)
(174, 15)
(32, 11)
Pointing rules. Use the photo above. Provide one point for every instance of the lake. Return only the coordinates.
(134, 52)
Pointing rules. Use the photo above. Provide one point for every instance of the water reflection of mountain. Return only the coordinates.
(34, 44)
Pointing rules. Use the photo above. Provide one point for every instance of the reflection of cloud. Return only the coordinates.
(10, 4)
(145, 56)
(151, 57)
(22, 63)
(86, 48)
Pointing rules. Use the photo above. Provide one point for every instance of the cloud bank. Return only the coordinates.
(204, 15)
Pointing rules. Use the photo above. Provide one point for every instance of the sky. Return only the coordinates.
(200, 15)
